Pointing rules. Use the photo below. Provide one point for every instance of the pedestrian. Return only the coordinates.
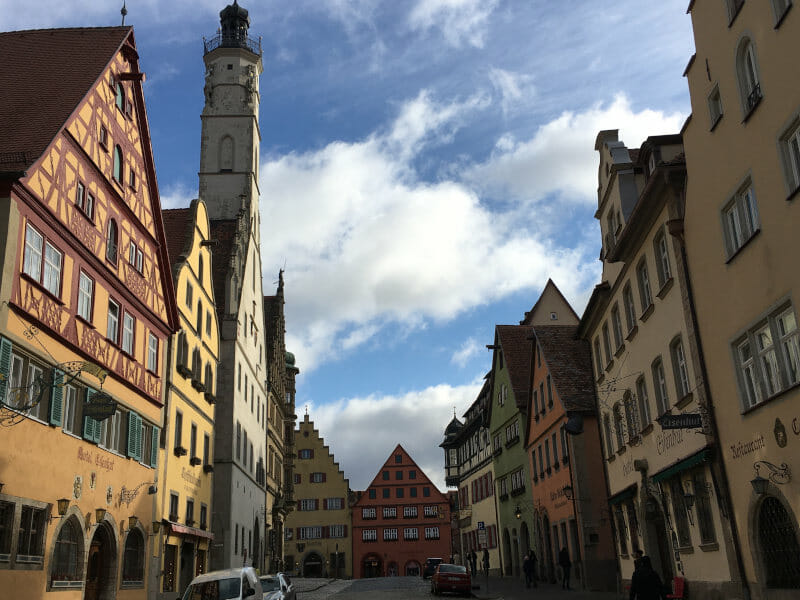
(566, 565)
(473, 559)
(527, 568)
(645, 582)
(637, 558)
(485, 561)
(533, 567)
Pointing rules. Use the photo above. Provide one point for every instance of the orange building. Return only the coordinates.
(87, 307)
(399, 521)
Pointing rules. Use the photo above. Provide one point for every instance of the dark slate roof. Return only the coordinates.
(223, 233)
(178, 230)
(516, 346)
(570, 364)
(44, 75)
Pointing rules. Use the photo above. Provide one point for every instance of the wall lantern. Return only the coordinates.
(518, 512)
(760, 485)
(63, 506)
(99, 514)
(567, 489)
(156, 526)
(778, 474)
(132, 521)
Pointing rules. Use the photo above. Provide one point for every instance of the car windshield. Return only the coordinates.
(270, 584)
(218, 589)
(452, 569)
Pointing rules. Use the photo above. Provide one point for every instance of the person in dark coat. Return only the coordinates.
(566, 565)
(485, 561)
(645, 582)
(527, 568)
(473, 559)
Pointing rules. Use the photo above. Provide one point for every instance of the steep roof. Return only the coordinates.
(516, 346)
(44, 75)
(178, 231)
(570, 365)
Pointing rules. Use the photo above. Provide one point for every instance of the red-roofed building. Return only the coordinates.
(400, 520)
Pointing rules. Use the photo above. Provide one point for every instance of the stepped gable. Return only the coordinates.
(516, 345)
(307, 421)
(569, 362)
(44, 75)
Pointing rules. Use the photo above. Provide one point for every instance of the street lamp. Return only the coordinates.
(518, 512)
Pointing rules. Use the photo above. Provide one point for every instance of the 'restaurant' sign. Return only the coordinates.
(100, 407)
(684, 421)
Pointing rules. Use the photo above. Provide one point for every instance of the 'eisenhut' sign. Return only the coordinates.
(684, 421)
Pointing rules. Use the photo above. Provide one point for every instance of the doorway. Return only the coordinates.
(659, 539)
(312, 565)
(101, 565)
(372, 566)
(187, 566)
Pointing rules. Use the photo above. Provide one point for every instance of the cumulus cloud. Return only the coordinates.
(560, 157)
(343, 424)
(468, 350)
(177, 195)
(460, 21)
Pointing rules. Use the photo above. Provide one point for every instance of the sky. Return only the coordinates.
(426, 166)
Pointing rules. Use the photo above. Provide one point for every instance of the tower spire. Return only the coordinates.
(124, 11)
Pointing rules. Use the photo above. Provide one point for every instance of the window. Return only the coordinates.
(113, 433)
(645, 296)
(203, 517)
(135, 257)
(199, 318)
(112, 324)
(193, 441)
(607, 435)
(132, 178)
(369, 535)
(679, 368)
(387, 492)
(431, 511)
(189, 299)
(518, 479)
(308, 504)
(409, 512)
(373, 494)
(390, 534)
(431, 533)
(616, 326)
(309, 533)
(318, 478)
(790, 147)
(679, 510)
(173, 506)
(630, 308)
(411, 533)
(306, 453)
(622, 531)
(598, 358)
(705, 518)
(334, 503)
(103, 138)
(412, 492)
(133, 559)
(503, 396)
(85, 297)
(747, 72)
(30, 543)
(740, 219)
(84, 200)
(607, 344)
(715, 106)
(385, 475)
(111, 241)
(117, 174)
(769, 357)
(120, 96)
(66, 570)
(662, 259)
(618, 426)
(42, 261)
(549, 399)
(368, 513)
(72, 421)
(536, 404)
(644, 403)
(206, 449)
(660, 386)
(128, 327)
(337, 531)
(152, 352)
(564, 445)
(398, 475)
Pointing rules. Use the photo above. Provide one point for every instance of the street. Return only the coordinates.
(410, 588)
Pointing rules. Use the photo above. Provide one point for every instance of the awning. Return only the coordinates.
(193, 531)
(626, 494)
(704, 455)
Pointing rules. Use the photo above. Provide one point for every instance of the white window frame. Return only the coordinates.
(390, 534)
(790, 147)
(643, 401)
(336, 531)
(85, 296)
(660, 385)
(616, 326)
(368, 513)
(680, 368)
(748, 76)
(431, 533)
(53, 264)
(152, 353)
(630, 307)
(645, 291)
(740, 218)
(128, 332)
(112, 322)
(411, 533)
(369, 535)
(409, 512)
(34, 247)
(663, 269)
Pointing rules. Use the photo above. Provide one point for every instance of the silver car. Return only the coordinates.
(277, 587)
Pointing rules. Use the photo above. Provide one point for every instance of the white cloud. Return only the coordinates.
(176, 195)
(421, 415)
(560, 157)
(468, 350)
(460, 21)
(514, 88)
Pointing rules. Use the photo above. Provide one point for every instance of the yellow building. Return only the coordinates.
(87, 308)
(318, 540)
(184, 504)
(743, 159)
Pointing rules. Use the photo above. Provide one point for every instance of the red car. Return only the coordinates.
(451, 578)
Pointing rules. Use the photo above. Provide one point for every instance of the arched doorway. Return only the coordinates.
(777, 545)
(312, 565)
(550, 567)
(372, 566)
(506, 552)
(101, 565)
(658, 538)
(412, 568)
(524, 538)
(392, 570)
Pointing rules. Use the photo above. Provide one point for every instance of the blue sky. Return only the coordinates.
(426, 166)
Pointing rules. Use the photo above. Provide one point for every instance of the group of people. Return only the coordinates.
(529, 568)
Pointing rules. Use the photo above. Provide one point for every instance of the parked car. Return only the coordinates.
(228, 584)
(430, 566)
(451, 578)
(277, 587)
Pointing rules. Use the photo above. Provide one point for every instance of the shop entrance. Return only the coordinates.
(372, 566)
(659, 537)
(312, 565)
(101, 565)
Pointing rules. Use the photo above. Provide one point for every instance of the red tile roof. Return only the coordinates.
(516, 346)
(570, 364)
(44, 75)
(178, 230)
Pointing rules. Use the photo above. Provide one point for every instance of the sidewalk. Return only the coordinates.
(513, 588)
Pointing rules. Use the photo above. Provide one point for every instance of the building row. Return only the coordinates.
(146, 395)
(663, 419)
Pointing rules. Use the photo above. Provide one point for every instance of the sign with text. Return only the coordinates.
(481, 525)
(684, 421)
(100, 407)
(482, 541)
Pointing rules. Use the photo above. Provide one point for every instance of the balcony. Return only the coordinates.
(232, 41)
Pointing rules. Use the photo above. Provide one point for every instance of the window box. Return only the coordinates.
(632, 333)
(497, 451)
(518, 491)
(665, 288)
(512, 441)
(180, 451)
(184, 371)
(195, 460)
(208, 468)
(504, 497)
(210, 398)
(198, 385)
(647, 312)
(189, 522)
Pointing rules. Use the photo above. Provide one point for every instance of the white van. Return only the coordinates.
(228, 584)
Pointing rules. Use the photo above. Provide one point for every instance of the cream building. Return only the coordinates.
(664, 484)
(743, 159)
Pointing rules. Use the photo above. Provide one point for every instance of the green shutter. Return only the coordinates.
(57, 398)
(154, 446)
(91, 428)
(5, 367)
(138, 438)
(132, 425)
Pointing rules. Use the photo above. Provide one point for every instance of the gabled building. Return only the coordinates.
(666, 489)
(742, 144)
(564, 449)
(319, 531)
(87, 305)
(469, 468)
(184, 501)
(399, 520)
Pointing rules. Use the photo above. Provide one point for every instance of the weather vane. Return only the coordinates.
(123, 11)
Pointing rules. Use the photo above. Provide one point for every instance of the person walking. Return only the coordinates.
(473, 559)
(527, 568)
(566, 565)
(485, 561)
(646, 583)
(532, 554)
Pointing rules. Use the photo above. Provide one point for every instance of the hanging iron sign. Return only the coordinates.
(683, 421)
(100, 407)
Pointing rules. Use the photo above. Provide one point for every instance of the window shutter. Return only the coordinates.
(316, 503)
(312, 453)
(132, 434)
(341, 503)
(154, 446)
(324, 477)
(91, 428)
(324, 504)
(345, 531)
(56, 398)
(5, 367)
(325, 531)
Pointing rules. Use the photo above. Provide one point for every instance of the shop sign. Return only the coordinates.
(683, 421)
(100, 407)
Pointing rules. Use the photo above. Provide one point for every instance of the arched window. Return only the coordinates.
(747, 72)
(196, 364)
(68, 556)
(779, 546)
(118, 164)
(120, 99)
(631, 415)
(226, 154)
(618, 426)
(133, 559)
(111, 241)
(200, 269)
